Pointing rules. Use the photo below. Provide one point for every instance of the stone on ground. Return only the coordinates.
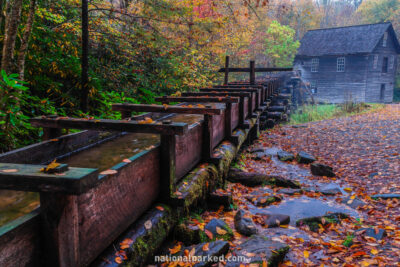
(386, 196)
(218, 198)
(304, 157)
(322, 170)
(290, 191)
(259, 249)
(378, 234)
(244, 224)
(285, 156)
(314, 222)
(189, 234)
(255, 179)
(275, 220)
(219, 229)
(353, 203)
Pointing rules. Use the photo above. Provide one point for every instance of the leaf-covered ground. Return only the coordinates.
(363, 151)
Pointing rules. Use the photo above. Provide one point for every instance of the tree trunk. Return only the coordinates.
(25, 39)
(10, 35)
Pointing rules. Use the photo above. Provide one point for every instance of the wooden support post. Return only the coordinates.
(226, 79)
(51, 133)
(167, 166)
(228, 120)
(252, 72)
(207, 137)
(60, 226)
(85, 57)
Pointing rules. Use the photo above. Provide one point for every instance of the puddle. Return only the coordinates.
(303, 207)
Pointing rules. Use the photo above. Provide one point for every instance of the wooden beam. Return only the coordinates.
(27, 177)
(226, 78)
(165, 109)
(197, 99)
(256, 69)
(110, 125)
(252, 72)
(242, 94)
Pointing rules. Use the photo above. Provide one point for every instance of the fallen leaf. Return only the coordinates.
(108, 172)
(175, 249)
(160, 208)
(127, 160)
(220, 231)
(205, 247)
(209, 234)
(306, 254)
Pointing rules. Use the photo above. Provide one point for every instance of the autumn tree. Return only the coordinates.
(281, 45)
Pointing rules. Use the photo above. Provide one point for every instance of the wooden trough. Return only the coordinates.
(114, 170)
(82, 210)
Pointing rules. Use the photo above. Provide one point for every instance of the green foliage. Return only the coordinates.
(396, 96)
(308, 113)
(281, 44)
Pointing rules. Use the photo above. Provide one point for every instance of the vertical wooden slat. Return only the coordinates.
(228, 120)
(208, 135)
(252, 72)
(60, 226)
(226, 78)
(167, 168)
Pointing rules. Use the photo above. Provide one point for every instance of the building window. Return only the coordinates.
(314, 64)
(385, 37)
(391, 62)
(313, 87)
(340, 64)
(382, 93)
(385, 65)
(376, 58)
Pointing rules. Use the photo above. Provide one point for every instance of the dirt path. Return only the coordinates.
(364, 153)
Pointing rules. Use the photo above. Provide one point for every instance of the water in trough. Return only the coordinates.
(14, 204)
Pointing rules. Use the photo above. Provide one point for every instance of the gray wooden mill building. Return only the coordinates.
(355, 63)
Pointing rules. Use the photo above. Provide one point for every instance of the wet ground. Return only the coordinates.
(363, 151)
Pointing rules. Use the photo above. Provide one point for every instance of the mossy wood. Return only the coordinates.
(28, 177)
(109, 125)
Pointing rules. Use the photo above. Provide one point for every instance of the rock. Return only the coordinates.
(258, 156)
(386, 196)
(257, 149)
(244, 224)
(226, 232)
(303, 157)
(285, 156)
(314, 222)
(276, 180)
(299, 126)
(262, 197)
(322, 170)
(189, 234)
(290, 191)
(257, 249)
(218, 198)
(275, 220)
(378, 235)
(246, 178)
(215, 250)
(255, 179)
(353, 203)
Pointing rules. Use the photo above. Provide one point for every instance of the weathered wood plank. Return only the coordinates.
(199, 99)
(110, 125)
(165, 109)
(25, 177)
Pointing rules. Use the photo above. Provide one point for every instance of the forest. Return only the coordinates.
(139, 49)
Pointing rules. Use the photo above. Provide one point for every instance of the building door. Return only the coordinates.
(382, 93)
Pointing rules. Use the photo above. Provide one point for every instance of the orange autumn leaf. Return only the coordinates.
(306, 254)
(175, 249)
(358, 254)
(205, 247)
(209, 234)
(118, 260)
(160, 208)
